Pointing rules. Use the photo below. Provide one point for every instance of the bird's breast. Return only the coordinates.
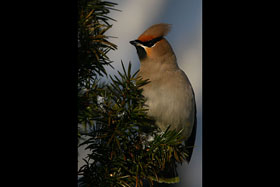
(171, 102)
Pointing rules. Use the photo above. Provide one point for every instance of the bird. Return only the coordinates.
(169, 94)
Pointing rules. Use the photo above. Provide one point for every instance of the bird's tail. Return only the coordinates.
(168, 175)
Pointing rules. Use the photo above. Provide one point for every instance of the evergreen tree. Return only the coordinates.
(126, 148)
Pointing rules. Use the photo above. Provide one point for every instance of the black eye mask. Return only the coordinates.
(150, 43)
(140, 50)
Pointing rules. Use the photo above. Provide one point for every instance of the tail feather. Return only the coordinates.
(168, 175)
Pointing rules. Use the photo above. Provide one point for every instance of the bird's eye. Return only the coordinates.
(152, 42)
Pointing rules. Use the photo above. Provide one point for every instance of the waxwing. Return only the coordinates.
(170, 96)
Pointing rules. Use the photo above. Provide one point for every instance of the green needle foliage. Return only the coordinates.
(93, 44)
(120, 153)
(125, 146)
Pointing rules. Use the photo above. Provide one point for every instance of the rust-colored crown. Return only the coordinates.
(155, 31)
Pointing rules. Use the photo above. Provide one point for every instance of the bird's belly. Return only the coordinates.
(171, 107)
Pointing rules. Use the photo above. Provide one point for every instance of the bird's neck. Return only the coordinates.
(149, 68)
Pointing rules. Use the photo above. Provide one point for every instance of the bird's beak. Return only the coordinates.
(134, 42)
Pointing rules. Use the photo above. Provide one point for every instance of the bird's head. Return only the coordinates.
(151, 44)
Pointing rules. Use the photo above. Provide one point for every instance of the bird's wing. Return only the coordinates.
(191, 140)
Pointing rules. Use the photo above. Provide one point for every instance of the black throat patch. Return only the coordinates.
(141, 52)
